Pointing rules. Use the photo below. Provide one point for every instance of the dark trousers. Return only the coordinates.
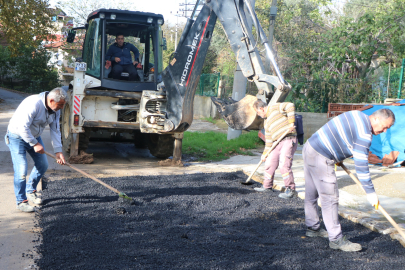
(117, 69)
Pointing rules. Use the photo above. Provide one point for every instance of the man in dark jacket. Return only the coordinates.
(120, 55)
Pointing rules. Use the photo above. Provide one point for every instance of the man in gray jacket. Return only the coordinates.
(24, 136)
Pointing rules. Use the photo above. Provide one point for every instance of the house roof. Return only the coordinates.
(59, 41)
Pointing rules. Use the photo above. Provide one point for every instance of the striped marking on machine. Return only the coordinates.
(76, 105)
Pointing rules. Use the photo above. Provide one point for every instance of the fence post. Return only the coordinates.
(400, 78)
(217, 84)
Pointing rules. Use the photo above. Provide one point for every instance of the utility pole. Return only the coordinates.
(177, 26)
(239, 87)
(186, 6)
(273, 13)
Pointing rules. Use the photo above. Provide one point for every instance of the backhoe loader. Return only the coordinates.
(158, 108)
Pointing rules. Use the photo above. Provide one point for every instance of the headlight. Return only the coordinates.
(150, 20)
(160, 21)
(102, 15)
(113, 16)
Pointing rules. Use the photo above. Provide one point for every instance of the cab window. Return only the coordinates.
(92, 48)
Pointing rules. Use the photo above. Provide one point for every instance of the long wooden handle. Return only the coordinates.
(268, 153)
(387, 216)
(86, 174)
(257, 167)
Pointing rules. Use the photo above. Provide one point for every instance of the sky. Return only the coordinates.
(168, 8)
(165, 7)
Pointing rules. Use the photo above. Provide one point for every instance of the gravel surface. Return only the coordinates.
(197, 221)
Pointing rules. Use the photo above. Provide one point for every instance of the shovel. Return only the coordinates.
(260, 163)
(124, 198)
(387, 216)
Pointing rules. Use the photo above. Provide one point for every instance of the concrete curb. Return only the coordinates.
(383, 227)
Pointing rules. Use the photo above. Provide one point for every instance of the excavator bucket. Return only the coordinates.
(239, 114)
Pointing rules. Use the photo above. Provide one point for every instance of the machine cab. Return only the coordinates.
(141, 29)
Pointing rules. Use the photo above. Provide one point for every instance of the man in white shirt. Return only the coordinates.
(24, 136)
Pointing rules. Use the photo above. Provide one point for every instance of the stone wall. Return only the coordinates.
(312, 122)
(204, 108)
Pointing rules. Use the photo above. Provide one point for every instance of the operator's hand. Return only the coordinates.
(38, 148)
(60, 158)
(340, 163)
(135, 63)
(291, 129)
(107, 64)
(117, 59)
(373, 200)
(264, 157)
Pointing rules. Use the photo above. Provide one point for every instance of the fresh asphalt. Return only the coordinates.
(194, 221)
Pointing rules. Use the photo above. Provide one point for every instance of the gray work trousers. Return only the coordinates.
(320, 182)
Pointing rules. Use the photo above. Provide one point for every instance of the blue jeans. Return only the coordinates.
(19, 148)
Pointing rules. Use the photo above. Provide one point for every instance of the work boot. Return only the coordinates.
(34, 198)
(25, 207)
(262, 189)
(288, 194)
(318, 233)
(344, 244)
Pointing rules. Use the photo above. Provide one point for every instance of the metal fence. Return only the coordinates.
(388, 85)
(208, 85)
(226, 87)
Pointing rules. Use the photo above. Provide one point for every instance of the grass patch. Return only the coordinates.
(210, 119)
(219, 122)
(214, 146)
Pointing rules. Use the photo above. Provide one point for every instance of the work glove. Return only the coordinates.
(373, 200)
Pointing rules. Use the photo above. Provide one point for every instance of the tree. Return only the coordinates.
(377, 32)
(80, 9)
(25, 23)
(169, 32)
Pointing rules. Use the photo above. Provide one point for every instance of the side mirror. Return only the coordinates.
(71, 36)
(164, 44)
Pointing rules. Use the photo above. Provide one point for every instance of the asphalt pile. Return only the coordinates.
(196, 221)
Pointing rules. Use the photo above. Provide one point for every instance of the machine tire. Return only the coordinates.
(67, 136)
(84, 139)
(140, 139)
(160, 146)
(64, 128)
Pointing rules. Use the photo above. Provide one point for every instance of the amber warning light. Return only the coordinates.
(76, 120)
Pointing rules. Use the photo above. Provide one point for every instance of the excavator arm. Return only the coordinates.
(182, 74)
